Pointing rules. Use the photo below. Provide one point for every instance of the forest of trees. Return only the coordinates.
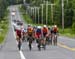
(69, 13)
(4, 4)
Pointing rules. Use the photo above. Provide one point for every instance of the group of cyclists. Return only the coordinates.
(42, 35)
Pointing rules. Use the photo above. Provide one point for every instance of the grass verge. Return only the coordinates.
(4, 26)
(67, 32)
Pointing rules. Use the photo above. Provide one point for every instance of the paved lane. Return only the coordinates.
(9, 49)
(67, 41)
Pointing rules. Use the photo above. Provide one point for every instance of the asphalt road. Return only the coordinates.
(64, 50)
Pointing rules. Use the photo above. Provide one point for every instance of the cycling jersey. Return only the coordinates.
(55, 29)
(30, 31)
(18, 32)
(45, 31)
(38, 33)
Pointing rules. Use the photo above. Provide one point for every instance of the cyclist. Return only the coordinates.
(51, 34)
(38, 33)
(45, 30)
(19, 36)
(48, 36)
(30, 35)
(34, 32)
(38, 36)
(23, 31)
(55, 31)
(30, 30)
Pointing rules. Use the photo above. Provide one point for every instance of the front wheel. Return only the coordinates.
(30, 47)
(30, 39)
(39, 48)
(19, 45)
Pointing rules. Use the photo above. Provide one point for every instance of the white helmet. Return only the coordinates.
(55, 25)
(39, 27)
(29, 25)
(44, 26)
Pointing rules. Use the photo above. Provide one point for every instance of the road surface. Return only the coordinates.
(64, 50)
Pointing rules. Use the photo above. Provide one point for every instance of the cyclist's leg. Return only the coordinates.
(44, 44)
(55, 38)
(39, 44)
(51, 38)
(30, 41)
(28, 37)
(19, 43)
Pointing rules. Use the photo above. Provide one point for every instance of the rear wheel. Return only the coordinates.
(30, 47)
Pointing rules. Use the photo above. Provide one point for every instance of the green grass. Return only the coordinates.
(27, 19)
(4, 25)
(67, 32)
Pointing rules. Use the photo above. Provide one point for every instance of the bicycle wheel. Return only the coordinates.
(30, 47)
(55, 40)
(39, 48)
(30, 43)
(19, 45)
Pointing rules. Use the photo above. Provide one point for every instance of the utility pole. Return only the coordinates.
(38, 13)
(24, 1)
(46, 12)
(47, 4)
(67, 1)
(31, 11)
(52, 12)
(42, 12)
(35, 14)
(63, 15)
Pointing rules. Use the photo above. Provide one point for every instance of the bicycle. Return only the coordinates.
(41, 43)
(19, 45)
(19, 42)
(30, 40)
(55, 39)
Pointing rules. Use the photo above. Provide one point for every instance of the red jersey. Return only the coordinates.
(18, 32)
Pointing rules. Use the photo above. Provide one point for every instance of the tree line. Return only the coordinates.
(4, 4)
(69, 13)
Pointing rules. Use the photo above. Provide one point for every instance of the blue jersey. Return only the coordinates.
(38, 30)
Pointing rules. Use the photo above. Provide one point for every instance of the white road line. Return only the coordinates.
(21, 53)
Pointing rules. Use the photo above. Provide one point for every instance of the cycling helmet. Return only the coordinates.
(44, 26)
(29, 25)
(39, 27)
(55, 25)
